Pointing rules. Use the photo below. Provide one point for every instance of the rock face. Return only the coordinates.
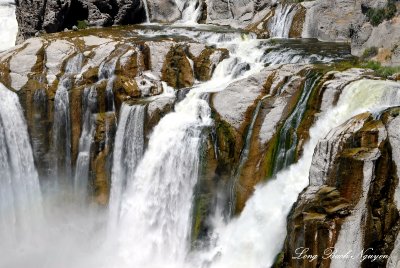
(357, 182)
(333, 20)
(238, 13)
(71, 82)
(53, 16)
(348, 21)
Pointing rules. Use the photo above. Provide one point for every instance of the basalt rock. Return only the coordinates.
(114, 68)
(177, 69)
(53, 16)
(360, 170)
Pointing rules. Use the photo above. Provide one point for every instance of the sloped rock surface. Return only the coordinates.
(359, 166)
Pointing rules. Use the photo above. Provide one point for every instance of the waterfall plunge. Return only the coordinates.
(128, 150)
(155, 213)
(282, 21)
(257, 246)
(62, 123)
(20, 196)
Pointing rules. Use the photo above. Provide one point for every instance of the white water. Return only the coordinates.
(155, 219)
(282, 21)
(257, 235)
(8, 24)
(128, 150)
(190, 10)
(20, 196)
(81, 177)
(62, 168)
(156, 207)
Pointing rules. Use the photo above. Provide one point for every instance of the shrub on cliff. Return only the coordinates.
(370, 52)
(382, 71)
(377, 15)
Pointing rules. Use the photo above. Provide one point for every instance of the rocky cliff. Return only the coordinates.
(97, 70)
(368, 25)
(350, 204)
(84, 92)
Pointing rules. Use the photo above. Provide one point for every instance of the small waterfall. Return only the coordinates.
(20, 195)
(287, 142)
(81, 177)
(8, 24)
(157, 206)
(62, 169)
(128, 150)
(242, 160)
(190, 10)
(282, 20)
(146, 9)
(266, 211)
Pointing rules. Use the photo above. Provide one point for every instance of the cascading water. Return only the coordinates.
(287, 141)
(152, 191)
(282, 20)
(156, 207)
(128, 150)
(62, 168)
(190, 10)
(81, 177)
(266, 211)
(20, 195)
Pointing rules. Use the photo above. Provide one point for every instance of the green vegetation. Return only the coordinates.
(377, 15)
(82, 24)
(383, 71)
(370, 52)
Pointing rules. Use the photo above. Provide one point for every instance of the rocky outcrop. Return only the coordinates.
(354, 188)
(238, 14)
(53, 16)
(350, 21)
(99, 70)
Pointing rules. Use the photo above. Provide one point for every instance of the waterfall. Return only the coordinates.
(81, 177)
(190, 11)
(20, 195)
(266, 212)
(62, 122)
(282, 21)
(157, 206)
(8, 24)
(128, 150)
(287, 141)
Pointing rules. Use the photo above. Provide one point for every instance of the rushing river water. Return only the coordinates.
(149, 218)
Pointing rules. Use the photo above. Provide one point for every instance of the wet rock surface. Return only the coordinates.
(317, 218)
